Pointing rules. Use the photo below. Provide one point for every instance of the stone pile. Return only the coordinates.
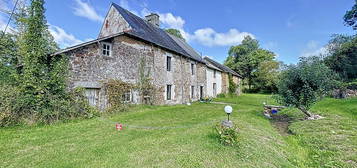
(270, 110)
(341, 94)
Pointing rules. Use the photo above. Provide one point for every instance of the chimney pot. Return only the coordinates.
(154, 19)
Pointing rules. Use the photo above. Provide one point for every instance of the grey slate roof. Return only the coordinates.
(188, 49)
(148, 32)
(221, 66)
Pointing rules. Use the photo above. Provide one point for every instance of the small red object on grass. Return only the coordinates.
(118, 127)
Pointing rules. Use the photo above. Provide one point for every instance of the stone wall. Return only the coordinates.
(344, 93)
(211, 79)
(237, 81)
(225, 82)
(113, 23)
(89, 68)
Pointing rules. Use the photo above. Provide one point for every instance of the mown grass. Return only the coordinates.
(332, 141)
(186, 139)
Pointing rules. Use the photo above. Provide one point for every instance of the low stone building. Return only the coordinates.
(218, 78)
(128, 44)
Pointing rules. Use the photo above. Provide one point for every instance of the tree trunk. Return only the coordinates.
(306, 112)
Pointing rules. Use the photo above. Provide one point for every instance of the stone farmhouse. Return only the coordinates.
(125, 40)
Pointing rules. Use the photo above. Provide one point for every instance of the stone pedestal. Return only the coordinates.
(228, 124)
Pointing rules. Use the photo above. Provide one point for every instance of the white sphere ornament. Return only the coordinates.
(228, 109)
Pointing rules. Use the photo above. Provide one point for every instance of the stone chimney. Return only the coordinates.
(153, 18)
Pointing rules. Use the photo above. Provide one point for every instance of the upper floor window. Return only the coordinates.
(107, 49)
(168, 92)
(168, 63)
(192, 68)
(214, 73)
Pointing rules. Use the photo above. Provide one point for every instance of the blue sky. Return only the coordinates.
(290, 28)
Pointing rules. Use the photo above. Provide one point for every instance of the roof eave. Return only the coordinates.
(86, 43)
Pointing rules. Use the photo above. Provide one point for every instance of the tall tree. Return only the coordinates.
(247, 57)
(8, 58)
(350, 17)
(175, 32)
(342, 57)
(35, 46)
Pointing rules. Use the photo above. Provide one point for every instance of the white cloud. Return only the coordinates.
(205, 36)
(313, 49)
(84, 9)
(62, 38)
(317, 52)
(172, 21)
(210, 37)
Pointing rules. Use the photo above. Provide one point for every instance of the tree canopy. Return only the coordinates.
(175, 32)
(303, 84)
(247, 59)
(350, 17)
(342, 57)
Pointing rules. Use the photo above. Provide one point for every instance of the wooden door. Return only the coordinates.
(92, 95)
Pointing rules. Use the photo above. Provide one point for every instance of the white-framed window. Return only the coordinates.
(168, 92)
(126, 97)
(192, 68)
(92, 95)
(214, 89)
(192, 92)
(168, 63)
(106, 49)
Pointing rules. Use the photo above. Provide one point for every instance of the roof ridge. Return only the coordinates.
(221, 66)
(146, 31)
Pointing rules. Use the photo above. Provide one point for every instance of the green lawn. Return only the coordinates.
(183, 136)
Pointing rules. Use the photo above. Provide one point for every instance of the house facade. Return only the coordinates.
(127, 45)
(218, 78)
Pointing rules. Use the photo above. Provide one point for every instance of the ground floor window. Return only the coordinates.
(126, 97)
(168, 92)
(192, 92)
(92, 95)
(214, 89)
(201, 92)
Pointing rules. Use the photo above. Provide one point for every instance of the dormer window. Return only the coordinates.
(107, 49)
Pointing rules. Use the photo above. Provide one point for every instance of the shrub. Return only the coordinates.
(352, 85)
(221, 95)
(116, 89)
(304, 84)
(14, 110)
(227, 136)
(232, 88)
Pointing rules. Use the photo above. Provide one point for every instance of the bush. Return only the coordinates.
(232, 88)
(304, 84)
(352, 85)
(227, 136)
(221, 95)
(14, 110)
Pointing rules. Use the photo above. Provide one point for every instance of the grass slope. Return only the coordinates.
(186, 139)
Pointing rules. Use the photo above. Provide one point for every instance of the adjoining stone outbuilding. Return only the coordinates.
(124, 42)
(218, 78)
